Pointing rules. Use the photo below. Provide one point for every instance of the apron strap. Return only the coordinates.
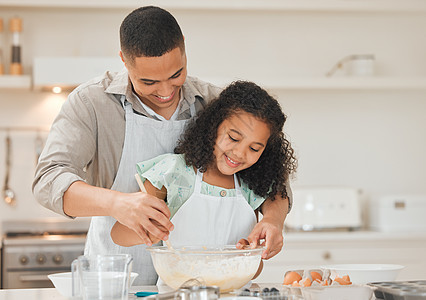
(126, 105)
(192, 109)
(237, 187)
(198, 179)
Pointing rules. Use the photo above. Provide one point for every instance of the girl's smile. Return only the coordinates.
(241, 140)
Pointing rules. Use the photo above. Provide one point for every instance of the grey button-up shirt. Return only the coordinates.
(86, 139)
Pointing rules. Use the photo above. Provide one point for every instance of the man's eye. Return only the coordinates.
(176, 75)
(148, 83)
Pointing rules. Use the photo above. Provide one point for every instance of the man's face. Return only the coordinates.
(158, 80)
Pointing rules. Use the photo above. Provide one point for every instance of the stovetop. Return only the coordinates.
(46, 226)
(42, 234)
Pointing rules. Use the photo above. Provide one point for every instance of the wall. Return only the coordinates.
(371, 140)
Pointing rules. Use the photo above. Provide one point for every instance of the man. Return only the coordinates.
(109, 124)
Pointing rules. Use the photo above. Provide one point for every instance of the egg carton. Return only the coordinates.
(400, 290)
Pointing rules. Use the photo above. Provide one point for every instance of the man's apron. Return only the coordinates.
(145, 138)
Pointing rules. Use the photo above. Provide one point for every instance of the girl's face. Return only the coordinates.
(241, 140)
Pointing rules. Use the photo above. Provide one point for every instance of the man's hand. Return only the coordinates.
(145, 214)
(270, 228)
(141, 212)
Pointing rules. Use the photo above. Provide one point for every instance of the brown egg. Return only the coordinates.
(342, 281)
(324, 283)
(316, 276)
(306, 282)
(291, 277)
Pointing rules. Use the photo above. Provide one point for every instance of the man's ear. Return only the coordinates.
(122, 57)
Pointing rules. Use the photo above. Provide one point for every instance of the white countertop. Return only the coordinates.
(365, 235)
(53, 294)
(361, 235)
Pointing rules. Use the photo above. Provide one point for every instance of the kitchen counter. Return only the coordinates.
(53, 294)
(364, 235)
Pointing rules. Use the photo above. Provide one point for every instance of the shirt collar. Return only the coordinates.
(160, 117)
(121, 85)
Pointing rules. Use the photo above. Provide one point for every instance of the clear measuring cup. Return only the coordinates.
(103, 277)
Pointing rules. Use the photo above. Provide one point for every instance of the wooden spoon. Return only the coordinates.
(143, 190)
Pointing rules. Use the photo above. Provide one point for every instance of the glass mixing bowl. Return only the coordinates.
(226, 267)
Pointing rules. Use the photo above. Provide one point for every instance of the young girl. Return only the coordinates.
(229, 160)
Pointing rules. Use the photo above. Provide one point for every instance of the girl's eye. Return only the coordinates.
(255, 150)
(232, 139)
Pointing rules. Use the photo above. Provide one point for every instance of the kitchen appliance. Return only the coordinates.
(398, 213)
(32, 249)
(324, 208)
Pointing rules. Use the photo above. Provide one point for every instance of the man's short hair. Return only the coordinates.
(151, 32)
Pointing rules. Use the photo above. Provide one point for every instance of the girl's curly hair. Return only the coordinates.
(267, 177)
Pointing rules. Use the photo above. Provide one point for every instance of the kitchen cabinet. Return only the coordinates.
(312, 250)
(285, 84)
(15, 82)
(337, 83)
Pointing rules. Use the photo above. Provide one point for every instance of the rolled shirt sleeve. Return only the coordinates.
(69, 148)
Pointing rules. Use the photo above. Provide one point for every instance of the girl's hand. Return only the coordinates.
(243, 243)
(270, 228)
(267, 230)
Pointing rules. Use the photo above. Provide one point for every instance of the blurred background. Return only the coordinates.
(350, 75)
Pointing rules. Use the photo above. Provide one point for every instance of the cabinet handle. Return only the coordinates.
(326, 255)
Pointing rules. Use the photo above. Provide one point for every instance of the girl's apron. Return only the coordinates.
(205, 220)
(145, 138)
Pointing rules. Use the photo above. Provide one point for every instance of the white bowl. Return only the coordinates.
(63, 282)
(365, 273)
(225, 267)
